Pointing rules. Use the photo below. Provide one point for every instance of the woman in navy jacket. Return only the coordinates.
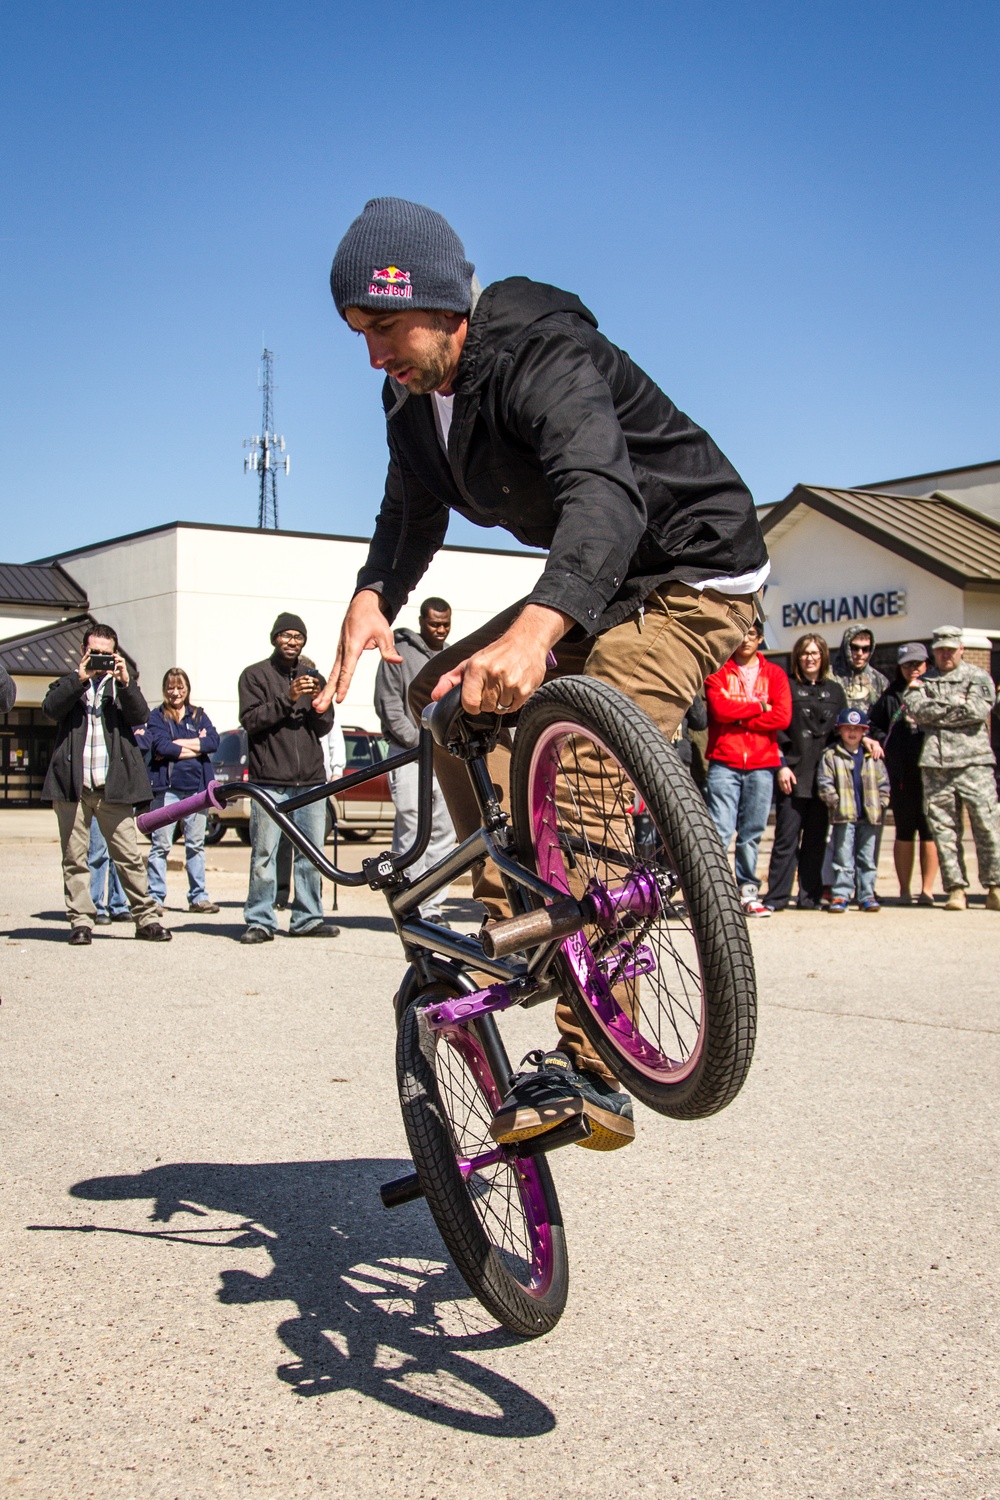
(181, 738)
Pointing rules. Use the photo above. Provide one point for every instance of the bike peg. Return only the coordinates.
(402, 1190)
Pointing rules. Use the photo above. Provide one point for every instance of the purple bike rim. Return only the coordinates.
(523, 1175)
(644, 1053)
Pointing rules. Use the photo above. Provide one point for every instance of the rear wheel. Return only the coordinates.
(497, 1213)
(664, 985)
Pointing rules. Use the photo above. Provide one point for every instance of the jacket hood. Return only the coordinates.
(404, 636)
(842, 666)
(503, 312)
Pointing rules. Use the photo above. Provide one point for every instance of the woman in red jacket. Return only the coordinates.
(749, 700)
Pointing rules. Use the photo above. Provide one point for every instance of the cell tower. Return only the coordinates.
(265, 456)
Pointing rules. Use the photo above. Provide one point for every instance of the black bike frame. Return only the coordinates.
(405, 897)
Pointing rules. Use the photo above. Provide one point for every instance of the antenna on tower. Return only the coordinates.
(267, 451)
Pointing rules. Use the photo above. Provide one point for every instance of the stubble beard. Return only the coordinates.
(434, 367)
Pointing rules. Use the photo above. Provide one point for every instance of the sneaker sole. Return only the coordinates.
(608, 1132)
(524, 1124)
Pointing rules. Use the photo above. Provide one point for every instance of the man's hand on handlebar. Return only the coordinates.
(365, 628)
(503, 676)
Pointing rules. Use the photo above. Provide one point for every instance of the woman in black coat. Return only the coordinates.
(801, 819)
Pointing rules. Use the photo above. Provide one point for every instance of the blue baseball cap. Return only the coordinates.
(855, 718)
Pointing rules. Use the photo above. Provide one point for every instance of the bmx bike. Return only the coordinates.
(623, 905)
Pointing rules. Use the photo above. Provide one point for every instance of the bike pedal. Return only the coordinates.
(402, 1190)
(577, 1129)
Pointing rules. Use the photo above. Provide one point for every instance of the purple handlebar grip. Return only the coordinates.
(148, 822)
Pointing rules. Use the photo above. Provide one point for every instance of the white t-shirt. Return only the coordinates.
(444, 407)
(744, 583)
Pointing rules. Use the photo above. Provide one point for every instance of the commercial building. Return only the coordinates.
(902, 556)
(204, 598)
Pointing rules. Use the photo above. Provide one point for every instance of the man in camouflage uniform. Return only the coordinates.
(953, 710)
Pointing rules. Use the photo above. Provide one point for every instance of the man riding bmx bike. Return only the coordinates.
(508, 406)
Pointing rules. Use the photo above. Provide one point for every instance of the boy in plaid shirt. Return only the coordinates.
(855, 787)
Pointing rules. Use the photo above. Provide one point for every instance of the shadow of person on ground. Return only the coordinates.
(380, 1310)
(39, 934)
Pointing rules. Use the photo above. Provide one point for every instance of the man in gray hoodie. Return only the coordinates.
(392, 684)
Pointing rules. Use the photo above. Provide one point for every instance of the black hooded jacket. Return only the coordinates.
(560, 439)
(283, 737)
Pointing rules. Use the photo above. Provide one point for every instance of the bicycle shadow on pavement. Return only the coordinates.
(380, 1309)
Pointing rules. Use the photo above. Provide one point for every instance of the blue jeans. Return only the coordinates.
(307, 904)
(739, 802)
(855, 860)
(105, 887)
(194, 854)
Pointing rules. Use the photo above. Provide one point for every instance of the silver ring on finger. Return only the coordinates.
(505, 708)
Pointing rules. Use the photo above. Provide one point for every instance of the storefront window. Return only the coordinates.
(26, 740)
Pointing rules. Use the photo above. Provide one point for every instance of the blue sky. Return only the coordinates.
(786, 212)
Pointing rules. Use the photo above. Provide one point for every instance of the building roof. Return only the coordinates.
(935, 532)
(40, 584)
(315, 536)
(49, 652)
(886, 484)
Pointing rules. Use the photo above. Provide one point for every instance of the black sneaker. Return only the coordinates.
(257, 935)
(122, 916)
(554, 1093)
(153, 932)
(102, 919)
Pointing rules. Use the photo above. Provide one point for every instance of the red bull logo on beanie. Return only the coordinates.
(390, 281)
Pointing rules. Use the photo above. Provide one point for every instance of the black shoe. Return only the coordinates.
(102, 919)
(153, 932)
(123, 916)
(555, 1093)
(322, 929)
(80, 937)
(257, 935)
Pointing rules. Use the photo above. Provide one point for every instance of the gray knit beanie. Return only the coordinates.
(403, 254)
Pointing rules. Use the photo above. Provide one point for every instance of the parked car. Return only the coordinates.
(359, 812)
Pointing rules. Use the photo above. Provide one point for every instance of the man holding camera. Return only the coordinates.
(285, 753)
(97, 771)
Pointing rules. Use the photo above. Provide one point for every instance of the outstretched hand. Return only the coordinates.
(365, 628)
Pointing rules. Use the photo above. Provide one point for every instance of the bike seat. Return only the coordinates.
(442, 717)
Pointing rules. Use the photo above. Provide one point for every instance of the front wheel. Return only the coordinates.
(497, 1213)
(663, 986)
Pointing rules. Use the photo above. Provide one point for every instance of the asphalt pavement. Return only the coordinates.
(203, 1297)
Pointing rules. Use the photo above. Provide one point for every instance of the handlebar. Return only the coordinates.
(159, 817)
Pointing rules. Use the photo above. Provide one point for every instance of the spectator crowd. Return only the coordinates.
(836, 744)
(829, 747)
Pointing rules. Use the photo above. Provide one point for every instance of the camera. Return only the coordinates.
(101, 661)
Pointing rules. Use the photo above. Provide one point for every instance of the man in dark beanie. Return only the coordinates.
(510, 407)
(284, 733)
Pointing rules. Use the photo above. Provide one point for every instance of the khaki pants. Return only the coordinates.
(658, 658)
(116, 820)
